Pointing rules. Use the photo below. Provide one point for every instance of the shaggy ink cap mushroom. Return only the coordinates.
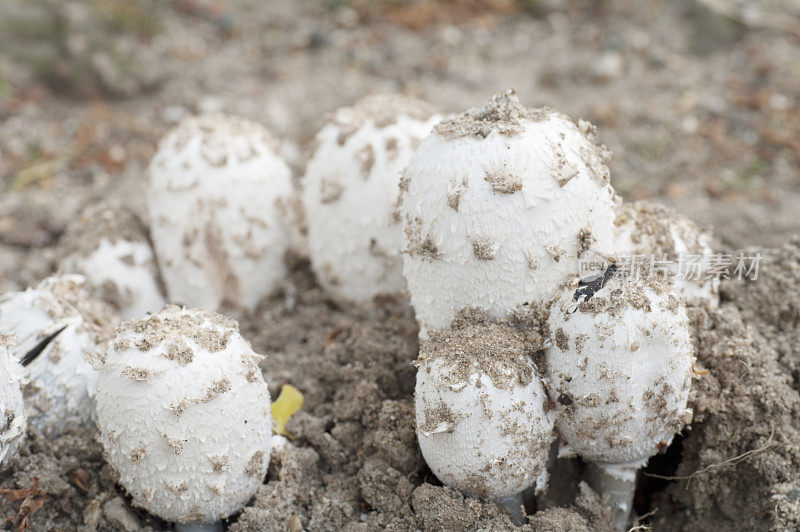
(498, 205)
(12, 410)
(109, 246)
(480, 410)
(646, 229)
(184, 414)
(619, 370)
(57, 324)
(351, 191)
(223, 212)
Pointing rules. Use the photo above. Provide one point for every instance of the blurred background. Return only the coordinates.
(699, 100)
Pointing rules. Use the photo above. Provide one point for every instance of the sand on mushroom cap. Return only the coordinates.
(480, 409)
(184, 414)
(619, 370)
(109, 246)
(498, 205)
(646, 231)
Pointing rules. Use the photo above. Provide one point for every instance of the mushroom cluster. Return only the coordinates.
(500, 206)
(486, 218)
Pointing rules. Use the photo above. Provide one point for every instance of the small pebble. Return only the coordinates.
(608, 66)
(92, 514)
(118, 513)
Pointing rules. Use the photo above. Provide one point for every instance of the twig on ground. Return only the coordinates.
(730, 461)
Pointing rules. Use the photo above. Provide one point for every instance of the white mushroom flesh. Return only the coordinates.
(498, 205)
(184, 414)
(350, 194)
(223, 212)
(61, 384)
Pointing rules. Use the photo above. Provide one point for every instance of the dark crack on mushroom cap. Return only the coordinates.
(613, 294)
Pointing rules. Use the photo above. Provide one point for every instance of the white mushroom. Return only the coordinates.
(498, 205)
(481, 420)
(645, 231)
(619, 371)
(184, 415)
(108, 245)
(12, 409)
(57, 324)
(350, 194)
(222, 212)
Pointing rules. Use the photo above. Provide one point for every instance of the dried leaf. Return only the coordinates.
(33, 500)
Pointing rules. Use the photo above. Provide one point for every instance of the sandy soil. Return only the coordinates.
(701, 113)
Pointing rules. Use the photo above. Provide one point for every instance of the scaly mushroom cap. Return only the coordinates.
(350, 194)
(184, 414)
(497, 206)
(480, 414)
(647, 229)
(61, 387)
(222, 212)
(620, 368)
(109, 246)
(12, 410)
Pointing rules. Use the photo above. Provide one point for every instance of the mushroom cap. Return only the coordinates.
(61, 387)
(498, 205)
(480, 413)
(350, 194)
(222, 211)
(620, 368)
(184, 414)
(647, 229)
(12, 408)
(109, 246)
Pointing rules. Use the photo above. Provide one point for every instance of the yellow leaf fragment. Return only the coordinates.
(289, 401)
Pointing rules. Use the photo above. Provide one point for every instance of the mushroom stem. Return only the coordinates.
(515, 506)
(616, 483)
(216, 526)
